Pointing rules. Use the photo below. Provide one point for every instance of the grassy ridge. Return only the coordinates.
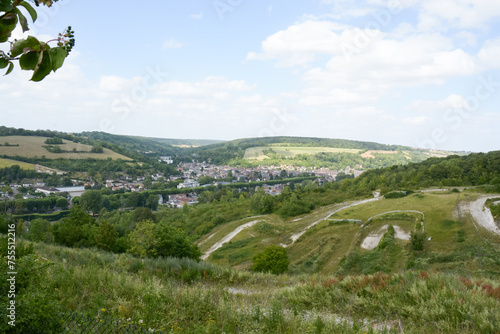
(182, 296)
(291, 151)
(454, 242)
(8, 163)
(31, 146)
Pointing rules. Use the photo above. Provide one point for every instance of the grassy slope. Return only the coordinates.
(8, 163)
(30, 146)
(291, 151)
(179, 296)
(323, 246)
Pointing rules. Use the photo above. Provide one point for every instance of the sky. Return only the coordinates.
(422, 73)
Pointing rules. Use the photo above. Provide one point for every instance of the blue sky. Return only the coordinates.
(423, 73)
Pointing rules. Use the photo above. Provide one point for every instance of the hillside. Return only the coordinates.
(310, 152)
(347, 238)
(33, 146)
(367, 255)
(185, 143)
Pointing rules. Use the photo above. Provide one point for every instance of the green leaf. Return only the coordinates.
(22, 19)
(6, 6)
(43, 67)
(24, 45)
(29, 60)
(57, 55)
(11, 67)
(30, 10)
(3, 62)
(7, 24)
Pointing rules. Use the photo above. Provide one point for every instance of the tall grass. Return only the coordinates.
(166, 295)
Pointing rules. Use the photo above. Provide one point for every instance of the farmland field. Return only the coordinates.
(31, 146)
(257, 153)
(8, 163)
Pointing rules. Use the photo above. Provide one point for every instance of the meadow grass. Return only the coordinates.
(257, 153)
(8, 163)
(31, 146)
(151, 291)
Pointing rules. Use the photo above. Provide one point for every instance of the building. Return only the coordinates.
(167, 159)
(72, 191)
(188, 184)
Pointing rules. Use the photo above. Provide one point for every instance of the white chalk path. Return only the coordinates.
(373, 239)
(298, 235)
(482, 215)
(227, 238)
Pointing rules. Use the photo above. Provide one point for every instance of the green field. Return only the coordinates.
(322, 248)
(31, 146)
(257, 153)
(8, 163)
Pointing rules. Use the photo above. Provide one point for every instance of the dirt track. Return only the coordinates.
(227, 238)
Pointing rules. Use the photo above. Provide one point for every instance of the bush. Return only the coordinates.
(417, 240)
(273, 259)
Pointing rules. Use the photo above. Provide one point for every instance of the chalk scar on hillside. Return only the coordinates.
(296, 236)
(372, 240)
(228, 238)
(482, 215)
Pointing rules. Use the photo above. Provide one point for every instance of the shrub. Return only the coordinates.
(417, 240)
(273, 259)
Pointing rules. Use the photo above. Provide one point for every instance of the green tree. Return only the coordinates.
(97, 148)
(174, 242)
(273, 259)
(417, 240)
(32, 54)
(75, 230)
(92, 201)
(106, 235)
(153, 240)
(40, 230)
(152, 202)
(62, 203)
(143, 241)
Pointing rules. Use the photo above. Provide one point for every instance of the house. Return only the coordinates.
(179, 200)
(72, 191)
(188, 184)
(166, 159)
(46, 190)
(273, 190)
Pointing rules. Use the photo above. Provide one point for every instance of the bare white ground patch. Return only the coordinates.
(227, 238)
(372, 240)
(298, 235)
(482, 215)
(400, 234)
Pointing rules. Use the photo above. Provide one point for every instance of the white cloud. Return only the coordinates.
(420, 120)
(299, 44)
(111, 83)
(489, 54)
(172, 43)
(472, 14)
(198, 16)
(453, 101)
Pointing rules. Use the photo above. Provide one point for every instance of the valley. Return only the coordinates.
(365, 235)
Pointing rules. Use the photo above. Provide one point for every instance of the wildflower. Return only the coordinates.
(140, 321)
(103, 309)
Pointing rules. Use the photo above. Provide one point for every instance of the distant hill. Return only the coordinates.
(310, 152)
(35, 146)
(284, 150)
(184, 143)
